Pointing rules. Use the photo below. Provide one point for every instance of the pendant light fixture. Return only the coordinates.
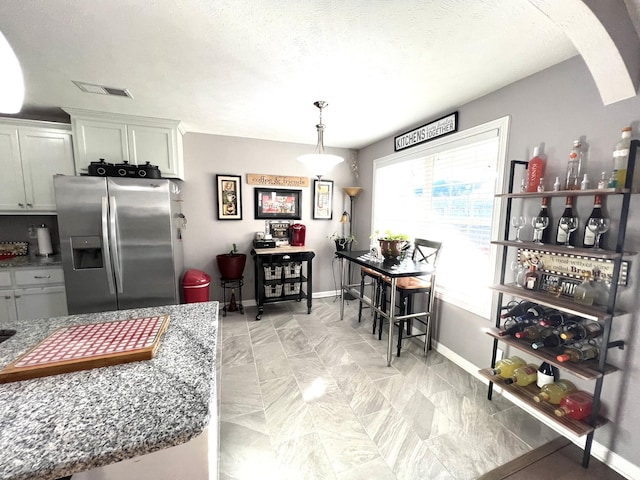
(11, 81)
(319, 162)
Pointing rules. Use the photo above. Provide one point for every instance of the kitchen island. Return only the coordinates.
(55, 426)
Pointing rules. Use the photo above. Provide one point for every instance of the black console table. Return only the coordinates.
(280, 276)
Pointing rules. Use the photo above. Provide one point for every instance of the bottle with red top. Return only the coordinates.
(574, 167)
(533, 332)
(535, 171)
(578, 353)
(576, 405)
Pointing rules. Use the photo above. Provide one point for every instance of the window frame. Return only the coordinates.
(457, 140)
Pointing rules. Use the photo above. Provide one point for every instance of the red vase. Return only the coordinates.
(231, 265)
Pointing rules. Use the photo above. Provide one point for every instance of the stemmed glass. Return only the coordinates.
(539, 224)
(517, 222)
(518, 270)
(598, 226)
(568, 225)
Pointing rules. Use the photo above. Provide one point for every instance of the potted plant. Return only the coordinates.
(392, 245)
(343, 242)
(231, 265)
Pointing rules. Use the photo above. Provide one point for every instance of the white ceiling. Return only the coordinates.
(254, 68)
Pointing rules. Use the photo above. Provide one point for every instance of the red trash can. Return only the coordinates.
(195, 285)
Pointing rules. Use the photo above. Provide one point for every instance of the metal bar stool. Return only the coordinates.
(376, 287)
(424, 251)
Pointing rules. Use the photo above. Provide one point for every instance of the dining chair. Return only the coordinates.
(407, 288)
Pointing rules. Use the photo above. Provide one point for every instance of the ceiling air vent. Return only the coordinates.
(102, 90)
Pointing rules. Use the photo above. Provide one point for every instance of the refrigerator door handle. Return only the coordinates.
(106, 253)
(115, 243)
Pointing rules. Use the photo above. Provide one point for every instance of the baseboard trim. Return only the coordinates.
(599, 451)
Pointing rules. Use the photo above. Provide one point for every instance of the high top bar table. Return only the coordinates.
(406, 268)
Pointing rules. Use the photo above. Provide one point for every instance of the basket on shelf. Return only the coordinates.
(292, 270)
(291, 288)
(272, 272)
(273, 291)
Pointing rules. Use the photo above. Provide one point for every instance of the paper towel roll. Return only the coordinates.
(44, 241)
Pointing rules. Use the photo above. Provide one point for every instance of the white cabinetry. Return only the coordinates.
(31, 153)
(32, 293)
(126, 138)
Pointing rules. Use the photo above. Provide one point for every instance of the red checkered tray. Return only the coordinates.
(82, 347)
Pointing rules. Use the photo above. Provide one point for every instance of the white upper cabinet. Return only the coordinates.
(126, 138)
(31, 153)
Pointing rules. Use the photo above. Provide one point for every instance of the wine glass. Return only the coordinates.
(598, 226)
(539, 224)
(517, 222)
(568, 225)
(518, 270)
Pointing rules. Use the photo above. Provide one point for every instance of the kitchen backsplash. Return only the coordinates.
(15, 228)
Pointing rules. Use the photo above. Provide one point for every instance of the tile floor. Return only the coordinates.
(310, 397)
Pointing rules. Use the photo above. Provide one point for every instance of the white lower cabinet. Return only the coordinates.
(42, 302)
(32, 293)
(7, 307)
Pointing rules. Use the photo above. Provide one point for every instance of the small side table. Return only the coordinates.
(232, 285)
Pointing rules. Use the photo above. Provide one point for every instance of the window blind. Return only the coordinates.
(447, 193)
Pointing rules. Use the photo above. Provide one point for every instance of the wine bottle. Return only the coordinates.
(589, 238)
(535, 170)
(547, 374)
(553, 392)
(548, 341)
(576, 405)
(552, 319)
(536, 312)
(574, 331)
(621, 156)
(505, 367)
(561, 234)
(574, 167)
(577, 353)
(545, 235)
(511, 326)
(518, 310)
(533, 332)
(523, 376)
(532, 279)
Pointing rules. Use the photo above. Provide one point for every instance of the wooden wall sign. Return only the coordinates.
(574, 266)
(276, 180)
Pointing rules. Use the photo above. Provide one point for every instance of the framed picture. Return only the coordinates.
(229, 197)
(322, 199)
(276, 203)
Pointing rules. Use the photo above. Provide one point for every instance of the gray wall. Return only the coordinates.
(555, 106)
(206, 236)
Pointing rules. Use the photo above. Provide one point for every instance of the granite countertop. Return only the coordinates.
(31, 261)
(58, 425)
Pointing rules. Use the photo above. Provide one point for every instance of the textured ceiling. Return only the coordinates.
(254, 69)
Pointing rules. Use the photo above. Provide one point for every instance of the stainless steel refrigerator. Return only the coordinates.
(120, 242)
